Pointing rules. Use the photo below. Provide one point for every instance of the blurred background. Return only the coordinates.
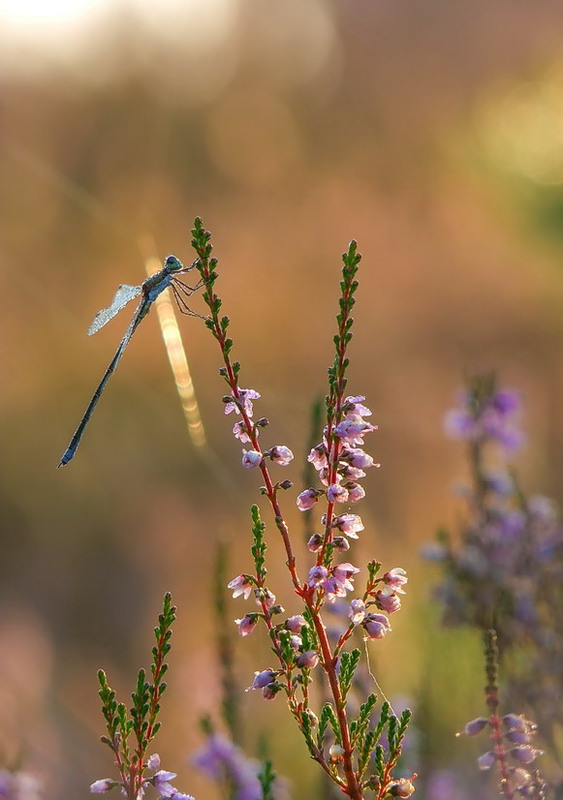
(431, 132)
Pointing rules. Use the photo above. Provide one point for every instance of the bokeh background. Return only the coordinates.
(430, 131)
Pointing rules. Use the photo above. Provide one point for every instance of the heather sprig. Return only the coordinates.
(504, 568)
(350, 751)
(512, 737)
(130, 732)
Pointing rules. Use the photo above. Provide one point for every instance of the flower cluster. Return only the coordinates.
(247, 431)
(160, 780)
(342, 482)
(513, 751)
(485, 413)
(224, 762)
(343, 747)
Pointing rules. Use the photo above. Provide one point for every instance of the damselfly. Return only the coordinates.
(150, 290)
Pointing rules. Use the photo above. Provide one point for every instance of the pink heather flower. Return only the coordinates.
(181, 796)
(396, 578)
(247, 624)
(153, 762)
(240, 432)
(353, 429)
(340, 582)
(357, 458)
(525, 754)
(308, 660)
(315, 543)
(246, 396)
(251, 458)
(270, 691)
(487, 760)
(317, 575)
(241, 585)
(376, 626)
(103, 785)
(357, 611)
(318, 458)
(474, 727)
(353, 405)
(337, 493)
(349, 473)
(263, 678)
(307, 499)
(265, 596)
(341, 544)
(295, 623)
(387, 600)
(295, 641)
(349, 524)
(162, 783)
(281, 455)
(355, 492)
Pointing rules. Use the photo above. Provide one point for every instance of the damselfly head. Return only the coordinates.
(173, 264)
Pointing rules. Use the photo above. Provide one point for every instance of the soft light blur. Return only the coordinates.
(430, 132)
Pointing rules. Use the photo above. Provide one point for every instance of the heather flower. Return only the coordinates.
(387, 600)
(153, 762)
(474, 727)
(396, 578)
(349, 524)
(251, 458)
(162, 783)
(309, 659)
(403, 787)
(357, 611)
(315, 543)
(340, 582)
(355, 492)
(295, 623)
(353, 429)
(353, 406)
(263, 678)
(247, 624)
(242, 584)
(102, 785)
(240, 432)
(376, 626)
(222, 761)
(318, 457)
(246, 396)
(341, 544)
(307, 499)
(357, 458)
(280, 454)
(336, 493)
(317, 575)
(487, 760)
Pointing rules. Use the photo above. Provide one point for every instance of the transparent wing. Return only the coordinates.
(122, 297)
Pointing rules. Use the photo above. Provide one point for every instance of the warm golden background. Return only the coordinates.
(429, 130)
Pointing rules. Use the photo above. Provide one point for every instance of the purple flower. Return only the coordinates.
(307, 499)
(240, 432)
(357, 458)
(318, 458)
(247, 624)
(353, 429)
(376, 626)
(295, 623)
(349, 524)
(221, 760)
(162, 783)
(387, 600)
(308, 660)
(396, 578)
(336, 493)
(263, 678)
(242, 584)
(353, 406)
(103, 785)
(280, 454)
(251, 458)
(355, 492)
(357, 611)
(317, 575)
